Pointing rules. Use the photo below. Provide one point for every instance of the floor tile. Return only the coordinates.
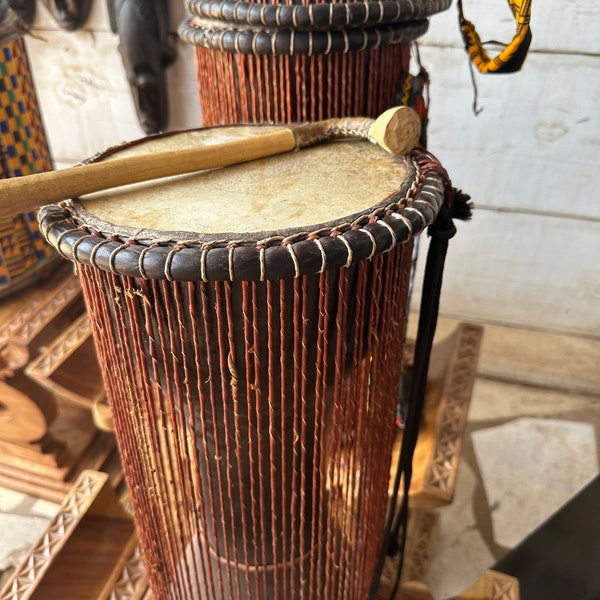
(530, 467)
(545, 359)
(460, 554)
(11, 500)
(497, 400)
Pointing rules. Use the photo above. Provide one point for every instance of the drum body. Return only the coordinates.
(253, 377)
(269, 62)
(23, 151)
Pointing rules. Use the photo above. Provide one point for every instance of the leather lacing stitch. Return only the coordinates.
(113, 254)
(61, 237)
(403, 10)
(261, 260)
(391, 232)
(349, 249)
(169, 260)
(141, 268)
(290, 249)
(205, 249)
(421, 216)
(319, 245)
(405, 221)
(373, 242)
(104, 242)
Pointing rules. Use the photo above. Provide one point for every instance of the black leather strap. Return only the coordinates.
(441, 231)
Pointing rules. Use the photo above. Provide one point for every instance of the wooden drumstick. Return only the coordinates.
(396, 130)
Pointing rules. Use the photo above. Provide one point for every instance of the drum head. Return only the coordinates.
(318, 208)
(298, 191)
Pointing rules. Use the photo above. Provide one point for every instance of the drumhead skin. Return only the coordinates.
(297, 191)
(320, 207)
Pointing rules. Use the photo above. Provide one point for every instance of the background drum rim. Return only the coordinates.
(315, 16)
(220, 36)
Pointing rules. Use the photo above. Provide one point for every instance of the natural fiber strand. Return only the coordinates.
(251, 416)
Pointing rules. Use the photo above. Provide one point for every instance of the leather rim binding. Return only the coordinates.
(315, 16)
(213, 35)
(274, 257)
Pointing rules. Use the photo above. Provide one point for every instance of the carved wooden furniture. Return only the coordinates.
(89, 550)
(47, 435)
(68, 367)
(450, 381)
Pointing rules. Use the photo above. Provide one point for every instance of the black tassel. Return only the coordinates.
(462, 207)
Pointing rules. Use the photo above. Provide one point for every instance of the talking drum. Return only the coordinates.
(249, 322)
(274, 62)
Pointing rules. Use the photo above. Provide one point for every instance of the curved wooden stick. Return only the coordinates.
(21, 194)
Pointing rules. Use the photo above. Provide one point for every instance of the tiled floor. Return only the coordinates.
(531, 443)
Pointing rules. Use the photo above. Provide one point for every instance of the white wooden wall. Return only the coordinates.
(85, 98)
(530, 160)
(531, 254)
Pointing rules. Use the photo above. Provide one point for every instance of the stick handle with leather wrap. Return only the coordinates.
(397, 130)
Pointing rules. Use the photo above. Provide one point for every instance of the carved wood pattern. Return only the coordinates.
(133, 582)
(452, 414)
(68, 367)
(503, 587)
(419, 544)
(35, 315)
(417, 555)
(33, 322)
(39, 558)
(61, 348)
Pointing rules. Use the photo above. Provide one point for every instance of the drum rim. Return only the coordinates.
(188, 256)
(225, 37)
(316, 16)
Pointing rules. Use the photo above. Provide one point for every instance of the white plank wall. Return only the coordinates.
(530, 257)
(82, 89)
